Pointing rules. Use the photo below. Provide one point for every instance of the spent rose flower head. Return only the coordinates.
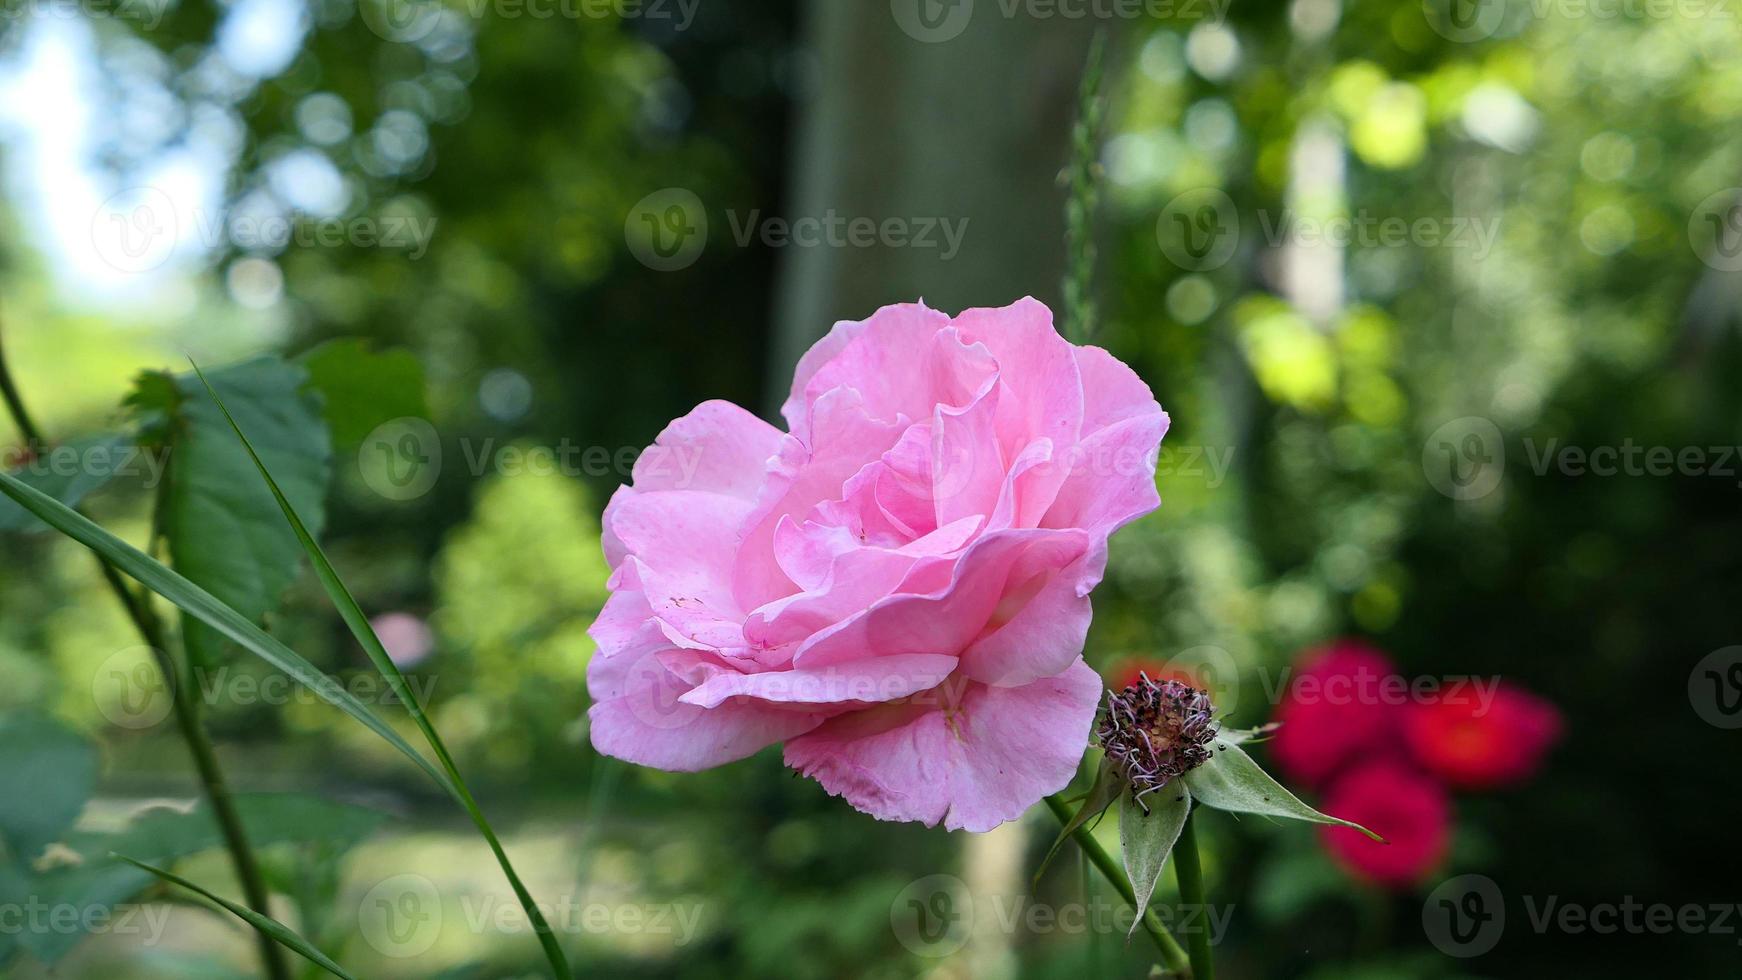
(898, 587)
(1155, 731)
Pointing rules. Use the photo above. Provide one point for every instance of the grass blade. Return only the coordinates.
(359, 623)
(202, 605)
(271, 927)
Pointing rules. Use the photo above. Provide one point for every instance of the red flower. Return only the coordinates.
(1341, 707)
(1475, 745)
(1408, 809)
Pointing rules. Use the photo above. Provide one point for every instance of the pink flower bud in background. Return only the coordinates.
(407, 637)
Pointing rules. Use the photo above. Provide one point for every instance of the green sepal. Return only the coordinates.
(1232, 781)
(1101, 795)
(1148, 829)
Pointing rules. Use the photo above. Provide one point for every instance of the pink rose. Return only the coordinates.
(899, 588)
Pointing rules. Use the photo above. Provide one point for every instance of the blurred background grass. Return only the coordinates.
(1575, 171)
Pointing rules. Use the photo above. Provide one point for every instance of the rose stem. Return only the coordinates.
(1172, 954)
(1191, 893)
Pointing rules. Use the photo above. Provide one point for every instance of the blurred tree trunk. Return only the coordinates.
(973, 129)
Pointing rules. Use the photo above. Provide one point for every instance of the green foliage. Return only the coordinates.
(517, 586)
(68, 473)
(221, 525)
(90, 879)
(358, 623)
(362, 389)
(46, 773)
(201, 605)
(277, 930)
(1103, 793)
(1591, 321)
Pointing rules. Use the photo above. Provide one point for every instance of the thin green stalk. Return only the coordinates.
(1173, 956)
(264, 923)
(15, 406)
(186, 710)
(1081, 200)
(1191, 893)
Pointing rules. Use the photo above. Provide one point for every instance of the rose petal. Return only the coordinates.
(970, 762)
(1037, 369)
(967, 464)
(907, 317)
(1040, 624)
(637, 717)
(1112, 391)
(801, 478)
(904, 363)
(1112, 477)
(872, 680)
(948, 618)
(717, 448)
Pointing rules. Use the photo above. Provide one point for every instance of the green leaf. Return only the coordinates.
(1232, 781)
(1146, 837)
(222, 528)
(15, 890)
(68, 473)
(1102, 793)
(279, 932)
(46, 775)
(206, 608)
(162, 834)
(364, 388)
(358, 621)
